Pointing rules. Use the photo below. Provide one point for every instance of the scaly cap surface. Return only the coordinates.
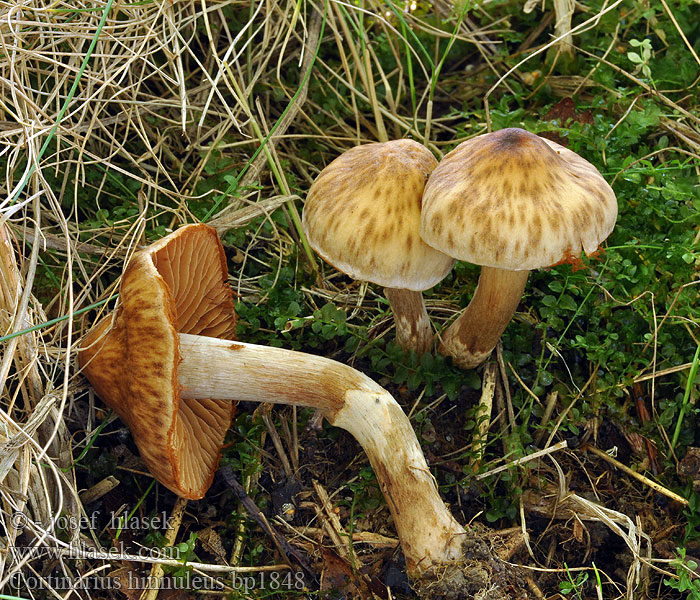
(512, 200)
(179, 284)
(362, 215)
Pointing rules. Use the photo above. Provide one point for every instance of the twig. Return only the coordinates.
(663, 372)
(657, 487)
(483, 412)
(98, 490)
(565, 412)
(523, 460)
(283, 546)
(506, 387)
(546, 415)
(156, 576)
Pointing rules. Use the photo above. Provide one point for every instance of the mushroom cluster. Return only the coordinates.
(168, 363)
(509, 201)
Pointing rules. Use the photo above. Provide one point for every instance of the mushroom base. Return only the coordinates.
(475, 333)
(480, 574)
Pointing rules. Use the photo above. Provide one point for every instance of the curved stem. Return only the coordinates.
(430, 537)
(475, 333)
(413, 328)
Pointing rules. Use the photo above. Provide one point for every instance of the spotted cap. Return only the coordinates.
(177, 285)
(512, 200)
(362, 215)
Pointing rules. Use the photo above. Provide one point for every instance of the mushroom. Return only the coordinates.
(510, 201)
(362, 215)
(159, 360)
(176, 285)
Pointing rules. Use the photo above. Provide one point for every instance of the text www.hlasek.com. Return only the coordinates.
(92, 553)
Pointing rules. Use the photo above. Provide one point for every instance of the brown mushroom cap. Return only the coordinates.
(362, 215)
(512, 200)
(177, 285)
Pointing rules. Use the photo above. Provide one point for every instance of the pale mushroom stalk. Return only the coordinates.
(430, 537)
(475, 333)
(413, 328)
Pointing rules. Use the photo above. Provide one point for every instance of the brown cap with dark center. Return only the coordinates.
(362, 215)
(177, 285)
(512, 200)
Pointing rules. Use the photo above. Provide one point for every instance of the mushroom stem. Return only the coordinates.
(430, 537)
(413, 328)
(475, 333)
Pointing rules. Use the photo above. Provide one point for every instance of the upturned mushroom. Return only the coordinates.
(177, 285)
(511, 202)
(159, 356)
(362, 215)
